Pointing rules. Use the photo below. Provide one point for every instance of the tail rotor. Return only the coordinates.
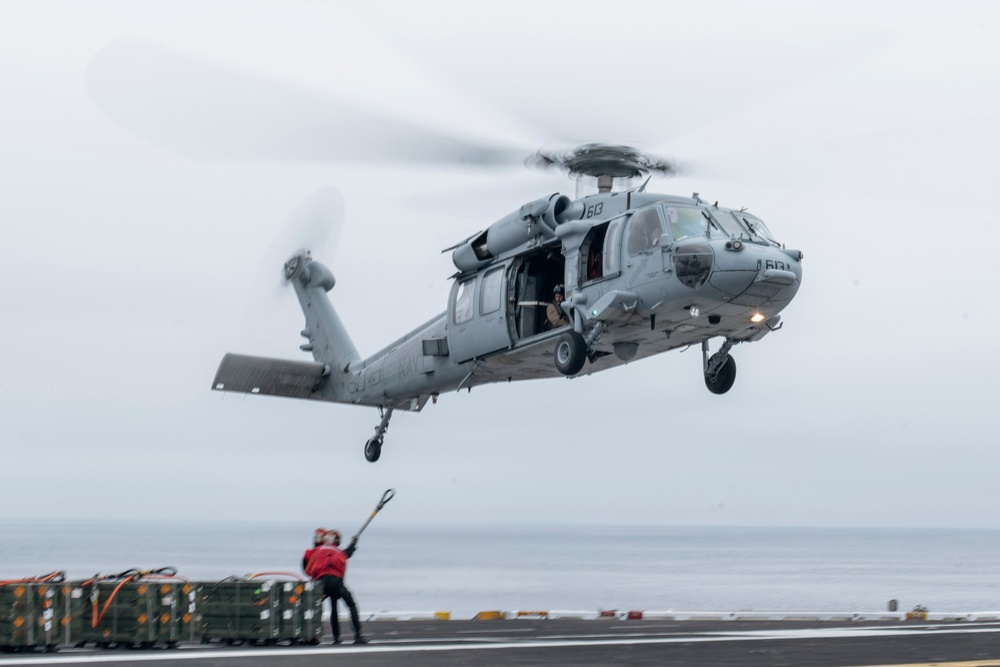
(314, 228)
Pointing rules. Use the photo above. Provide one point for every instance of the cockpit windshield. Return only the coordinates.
(741, 225)
(756, 226)
(728, 225)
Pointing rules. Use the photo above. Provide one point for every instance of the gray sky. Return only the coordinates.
(864, 134)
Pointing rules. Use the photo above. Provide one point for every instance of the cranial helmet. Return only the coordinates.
(558, 289)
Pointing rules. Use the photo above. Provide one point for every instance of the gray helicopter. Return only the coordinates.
(641, 273)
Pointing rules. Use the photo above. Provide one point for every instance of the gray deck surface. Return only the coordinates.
(593, 642)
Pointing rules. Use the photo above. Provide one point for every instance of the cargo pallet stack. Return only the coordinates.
(32, 613)
(261, 609)
(139, 609)
(157, 608)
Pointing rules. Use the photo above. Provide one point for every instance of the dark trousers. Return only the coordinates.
(334, 588)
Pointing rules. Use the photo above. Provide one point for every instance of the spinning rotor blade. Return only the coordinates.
(202, 107)
(315, 226)
(205, 108)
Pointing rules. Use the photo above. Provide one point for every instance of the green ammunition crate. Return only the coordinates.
(260, 611)
(73, 601)
(30, 615)
(300, 609)
(137, 613)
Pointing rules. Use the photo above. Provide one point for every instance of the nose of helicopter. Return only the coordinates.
(754, 274)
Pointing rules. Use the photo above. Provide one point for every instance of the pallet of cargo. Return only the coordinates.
(31, 613)
(138, 609)
(265, 608)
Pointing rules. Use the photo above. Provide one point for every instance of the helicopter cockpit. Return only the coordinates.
(691, 221)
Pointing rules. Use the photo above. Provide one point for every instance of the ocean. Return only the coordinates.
(467, 569)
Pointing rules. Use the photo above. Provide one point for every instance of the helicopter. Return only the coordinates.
(641, 274)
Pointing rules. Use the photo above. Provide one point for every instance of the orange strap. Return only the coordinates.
(58, 574)
(283, 574)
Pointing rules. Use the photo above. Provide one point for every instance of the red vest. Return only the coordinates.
(327, 561)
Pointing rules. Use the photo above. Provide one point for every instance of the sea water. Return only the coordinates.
(466, 569)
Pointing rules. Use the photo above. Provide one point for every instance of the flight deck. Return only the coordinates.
(602, 641)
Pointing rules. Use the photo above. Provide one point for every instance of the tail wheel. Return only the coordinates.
(373, 449)
(724, 379)
(570, 353)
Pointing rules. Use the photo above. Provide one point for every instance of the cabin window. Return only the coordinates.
(611, 248)
(644, 232)
(685, 222)
(491, 292)
(593, 253)
(463, 301)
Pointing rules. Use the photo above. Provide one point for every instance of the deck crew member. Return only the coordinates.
(318, 535)
(328, 566)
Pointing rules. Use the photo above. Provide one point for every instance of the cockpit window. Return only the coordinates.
(644, 231)
(685, 222)
(463, 301)
(757, 227)
(729, 224)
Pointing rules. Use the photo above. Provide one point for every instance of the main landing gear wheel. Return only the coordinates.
(571, 352)
(373, 449)
(724, 379)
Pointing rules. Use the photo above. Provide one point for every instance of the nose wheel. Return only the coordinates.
(722, 381)
(720, 368)
(373, 448)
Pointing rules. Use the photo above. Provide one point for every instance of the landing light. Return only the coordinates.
(695, 311)
(757, 318)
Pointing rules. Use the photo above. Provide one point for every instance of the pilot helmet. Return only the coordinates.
(558, 289)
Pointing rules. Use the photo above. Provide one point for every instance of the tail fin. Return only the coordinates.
(328, 339)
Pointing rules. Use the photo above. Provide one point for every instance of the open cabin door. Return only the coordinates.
(477, 315)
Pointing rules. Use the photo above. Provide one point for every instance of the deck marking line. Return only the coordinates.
(965, 663)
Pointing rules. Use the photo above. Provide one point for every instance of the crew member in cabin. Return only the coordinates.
(555, 317)
(328, 565)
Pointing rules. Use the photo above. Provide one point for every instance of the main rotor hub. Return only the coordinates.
(605, 162)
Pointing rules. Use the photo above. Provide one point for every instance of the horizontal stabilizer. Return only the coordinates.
(272, 377)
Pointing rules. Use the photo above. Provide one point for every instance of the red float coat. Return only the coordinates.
(307, 558)
(328, 561)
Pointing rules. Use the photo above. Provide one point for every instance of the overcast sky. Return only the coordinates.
(864, 134)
